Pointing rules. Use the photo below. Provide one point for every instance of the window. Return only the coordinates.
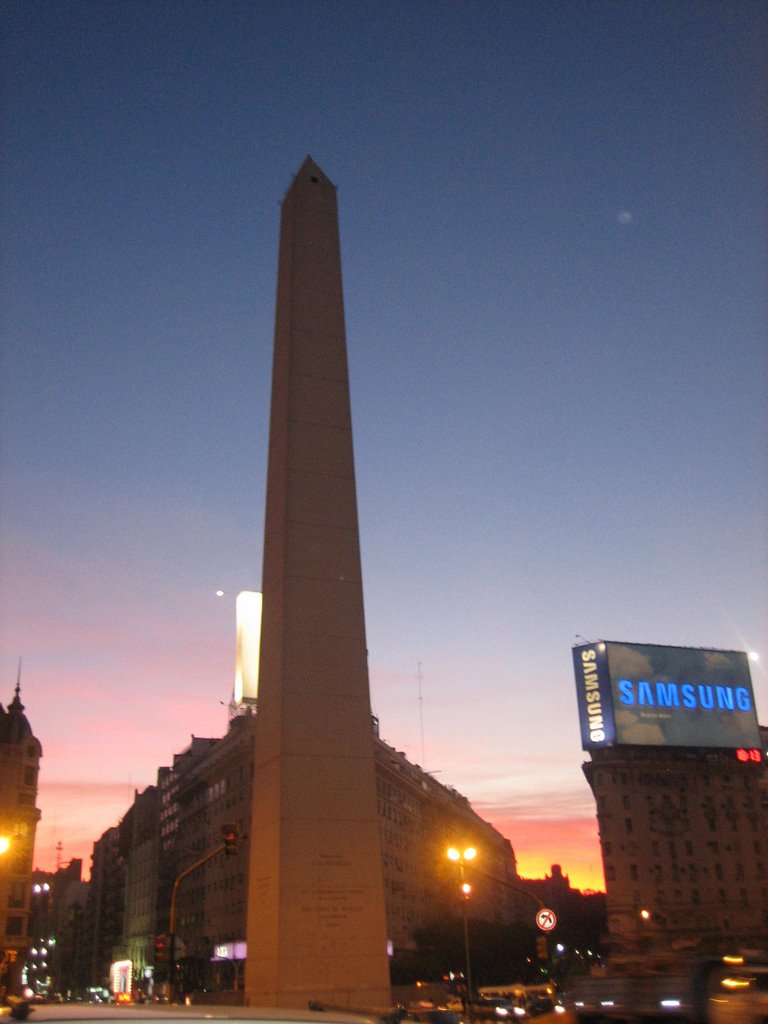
(16, 896)
(13, 925)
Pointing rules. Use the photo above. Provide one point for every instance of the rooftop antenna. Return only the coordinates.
(421, 712)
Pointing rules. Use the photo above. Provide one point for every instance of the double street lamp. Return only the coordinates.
(461, 857)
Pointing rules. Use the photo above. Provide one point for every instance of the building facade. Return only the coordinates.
(20, 754)
(211, 900)
(106, 905)
(419, 819)
(141, 843)
(70, 957)
(684, 838)
(678, 773)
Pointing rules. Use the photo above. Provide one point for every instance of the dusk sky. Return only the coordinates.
(553, 228)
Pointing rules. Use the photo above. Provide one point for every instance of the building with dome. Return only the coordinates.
(20, 753)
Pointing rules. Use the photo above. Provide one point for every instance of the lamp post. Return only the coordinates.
(460, 857)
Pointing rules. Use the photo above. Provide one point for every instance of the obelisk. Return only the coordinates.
(316, 912)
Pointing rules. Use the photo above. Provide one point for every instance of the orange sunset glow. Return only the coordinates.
(75, 815)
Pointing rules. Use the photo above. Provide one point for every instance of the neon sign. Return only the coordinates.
(749, 756)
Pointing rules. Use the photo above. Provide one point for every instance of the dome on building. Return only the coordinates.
(14, 726)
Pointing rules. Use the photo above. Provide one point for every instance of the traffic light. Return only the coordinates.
(161, 948)
(231, 838)
(541, 947)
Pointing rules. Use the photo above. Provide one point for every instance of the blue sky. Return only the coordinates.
(553, 233)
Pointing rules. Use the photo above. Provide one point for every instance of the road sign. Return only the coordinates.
(546, 919)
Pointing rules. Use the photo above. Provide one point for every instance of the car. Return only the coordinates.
(496, 1009)
(740, 997)
(166, 1013)
(434, 1015)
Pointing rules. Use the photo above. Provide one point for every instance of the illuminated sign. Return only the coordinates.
(122, 979)
(648, 695)
(749, 756)
(248, 612)
(230, 950)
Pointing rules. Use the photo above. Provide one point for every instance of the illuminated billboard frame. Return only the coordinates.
(650, 695)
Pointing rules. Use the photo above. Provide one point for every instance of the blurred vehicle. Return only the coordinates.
(497, 1009)
(435, 1015)
(538, 1001)
(713, 990)
(533, 999)
(740, 996)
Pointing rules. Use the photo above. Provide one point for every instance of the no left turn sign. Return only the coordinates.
(546, 919)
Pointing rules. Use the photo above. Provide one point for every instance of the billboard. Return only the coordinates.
(649, 695)
(248, 612)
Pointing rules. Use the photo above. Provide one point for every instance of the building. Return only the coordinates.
(211, 902)
(106, 905)
(684, 838)
(140, 841)
(679, 780)
(20, 754)
(419, 819)
(70, 958)
(42, 935)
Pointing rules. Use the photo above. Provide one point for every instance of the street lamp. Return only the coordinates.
(461, 857)
(5, 844)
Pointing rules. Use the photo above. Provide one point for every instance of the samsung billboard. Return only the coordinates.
(647, 695)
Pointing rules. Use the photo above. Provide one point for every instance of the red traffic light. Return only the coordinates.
(231, 837)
